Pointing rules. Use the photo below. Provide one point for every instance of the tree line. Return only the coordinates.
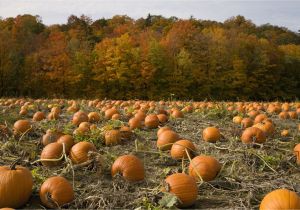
(148, 58)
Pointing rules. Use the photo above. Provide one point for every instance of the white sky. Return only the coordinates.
(283, 13)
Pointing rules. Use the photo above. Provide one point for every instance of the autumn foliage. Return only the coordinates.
(148, 58)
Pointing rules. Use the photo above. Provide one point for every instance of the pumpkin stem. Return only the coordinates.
(14, 164)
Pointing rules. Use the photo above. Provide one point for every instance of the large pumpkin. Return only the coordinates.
(184, 187)
(280, 199)
(56, 191)
(15, 186)
(130, 166)
(79, 152)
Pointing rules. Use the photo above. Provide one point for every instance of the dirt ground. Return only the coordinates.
(248, 172)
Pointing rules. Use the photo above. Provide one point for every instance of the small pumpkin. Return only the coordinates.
(163, 118)
(67, 140)
(50, 137)
(21, 126)
(79, 152)
(259, 118)
(130, 166)
(16, 186)
(166, 139)
(79, 117)
(135, 123)
(126, 132)
(56, 191)
(211, 134)
(94, 117)
(162, 129)
(177, 114)
(246, 122)
(285, 133)
(280, 199)
(52, 151)
(253, 135)
(151, 121)
(179, 148)
(184, 187)
(112, 137)
(206, 166)
(237, 120)
(38, 116)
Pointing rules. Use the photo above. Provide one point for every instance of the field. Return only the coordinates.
(248, 171)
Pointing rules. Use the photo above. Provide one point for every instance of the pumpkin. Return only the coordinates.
(178, 150)
(206, 166)
(284, 133)
(211, 134)
(93, 117)
(162, 129)
(52, 151)
(297, 153)
(140, 115)
(253, 135)
(79, 117)
(67, 140)
(280, 199)
(184, 187)
(284, 115)
(79, 152)
(38, 116)
(177, 114)
(56, 191)
(237, 120)
(293, 115)
(246, 122)
(163, 118)
(21, 126)
(166, 139)
(112, 137)
(135, 123)
(125, 132)
(259, 118)
(109, 113)
(151, 121)
(116, 116)
(16, 186)
(266, 126)
(50, 137)
(130, 166)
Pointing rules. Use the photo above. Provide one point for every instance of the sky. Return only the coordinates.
(281, 12)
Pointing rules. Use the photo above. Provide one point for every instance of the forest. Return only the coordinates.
(148, 58)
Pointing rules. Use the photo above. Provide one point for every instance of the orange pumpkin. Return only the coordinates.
(253, 135)
(184, 187)
(79, 152)
(38, 116)
(21, 126)
(67, 140)
(56, 191)
(179, 148)
(112, 137)
(52, 151)
(280, 199)
(206, 166)
(16, 186)
(165, 139)
(211, 134)
(93, 117)
(130, 166)
(80, 117)
(151, 121)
